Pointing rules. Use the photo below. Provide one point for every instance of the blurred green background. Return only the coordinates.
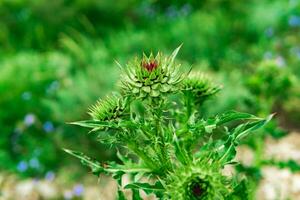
(58, 57)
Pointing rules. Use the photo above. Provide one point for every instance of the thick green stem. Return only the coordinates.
(189, 106)
(142, 155)
(161, 144)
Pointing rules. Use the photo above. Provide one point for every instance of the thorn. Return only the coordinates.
(119, 65)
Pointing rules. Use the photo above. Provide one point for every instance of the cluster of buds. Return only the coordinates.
(168, 148)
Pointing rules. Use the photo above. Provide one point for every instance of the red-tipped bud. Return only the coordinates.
(149, 66)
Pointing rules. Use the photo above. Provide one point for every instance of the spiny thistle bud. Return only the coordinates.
(200, 180)
(151, 76)
(107, 109)
(198, 87)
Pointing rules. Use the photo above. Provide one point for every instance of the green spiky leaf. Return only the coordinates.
(157, 188)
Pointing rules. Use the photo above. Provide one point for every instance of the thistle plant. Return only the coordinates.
(163, 143)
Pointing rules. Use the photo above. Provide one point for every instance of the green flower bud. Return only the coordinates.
(151, 76)
(109, 108)
(200, 180)
(198, 87)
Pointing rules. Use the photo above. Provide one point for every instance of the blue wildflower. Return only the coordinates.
(78, 190)
(186, 9)
(50, 175)
(294, 21)
(22, 166)
(29, 119)
(52, 87)
(296, 52)
(34, 163)
(269, 32)
(172, 12)
(268, 55)
(26, 96)
(48, 127)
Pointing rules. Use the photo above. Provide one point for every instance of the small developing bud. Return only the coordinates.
(150, 65)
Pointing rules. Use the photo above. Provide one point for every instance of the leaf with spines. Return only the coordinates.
(235, 136)
(94, 165)
(230, 116)
(157, 188)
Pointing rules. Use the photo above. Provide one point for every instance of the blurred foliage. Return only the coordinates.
(39, 96)
(57, 57)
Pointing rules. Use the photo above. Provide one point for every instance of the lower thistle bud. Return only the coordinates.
(198, 181)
